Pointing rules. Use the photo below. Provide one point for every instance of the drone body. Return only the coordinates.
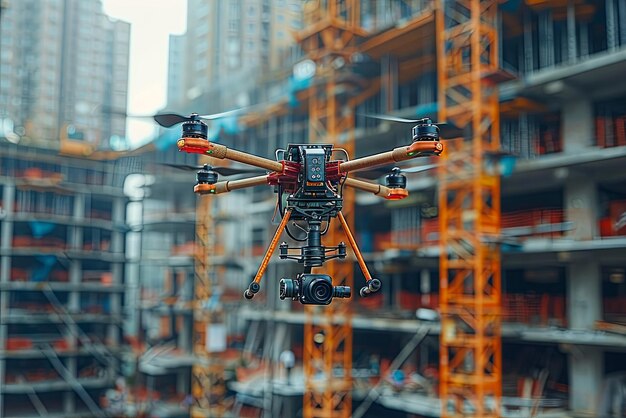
(309, 180)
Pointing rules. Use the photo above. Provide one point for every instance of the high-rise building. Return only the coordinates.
(233, 42)
(176, 70)
(66, 71)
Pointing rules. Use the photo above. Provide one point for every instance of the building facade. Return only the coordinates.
(64, 71)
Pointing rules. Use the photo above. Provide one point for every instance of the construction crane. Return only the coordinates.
(207, 384)
(469, 210)
(329, 40)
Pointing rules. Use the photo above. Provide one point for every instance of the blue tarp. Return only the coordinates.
(42, 272)
(40, 229)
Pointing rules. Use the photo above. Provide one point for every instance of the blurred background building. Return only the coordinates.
(191, 345)
(64, 71)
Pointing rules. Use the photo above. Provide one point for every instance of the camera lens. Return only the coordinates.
(342, 292)
(287, 288)
(320, 291)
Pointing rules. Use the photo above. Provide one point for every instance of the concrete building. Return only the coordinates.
(64, 70)
(62, 281)
(233, 43)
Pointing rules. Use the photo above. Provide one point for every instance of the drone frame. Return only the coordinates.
(287, 172)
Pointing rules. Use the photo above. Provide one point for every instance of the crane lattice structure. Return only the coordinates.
(469, 210)
(208, 385)
(329, 41)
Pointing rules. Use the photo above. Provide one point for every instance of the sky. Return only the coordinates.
(151, 24)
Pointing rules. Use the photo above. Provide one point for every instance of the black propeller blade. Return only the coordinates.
(224, 171)
(167, 120)
(118, 112)
(447, 130)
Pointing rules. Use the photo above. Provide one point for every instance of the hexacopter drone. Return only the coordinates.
(309, 180)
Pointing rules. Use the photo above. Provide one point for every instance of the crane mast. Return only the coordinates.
(469, 210)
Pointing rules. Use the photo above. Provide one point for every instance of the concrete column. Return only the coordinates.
(182, 381)
(577, 124)
(69, 398)
(584, 295)
(6, 237)
(585, 379)
(2, 372)
(118, 217)
(6, 230)
(581, 206)
(184, 335)
(134, 216)
(73, 306)
(4, 312)
(584, 299)
(76, 232)
(115, 306)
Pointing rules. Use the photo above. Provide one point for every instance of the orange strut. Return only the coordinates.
(272, 247)
(355, 248)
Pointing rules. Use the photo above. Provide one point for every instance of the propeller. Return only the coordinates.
(447, 130)
(224, 171)
(168, 120)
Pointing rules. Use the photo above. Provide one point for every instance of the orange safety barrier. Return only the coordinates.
(617, 214)
(19, 275)
(59, 275)
(187, 248)
(541, 309)
(430, 230)
(408, 300)
(601, 132)
(620, 130)
(371, 302)
(18, 343)
(615, 305)
(61, 345)
(45, 242)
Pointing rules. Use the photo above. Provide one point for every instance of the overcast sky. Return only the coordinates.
(152, 23)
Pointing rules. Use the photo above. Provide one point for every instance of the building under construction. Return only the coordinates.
(520, 314)
(62, 281)
(503, 271)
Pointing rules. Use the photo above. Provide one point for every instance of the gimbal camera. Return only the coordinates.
(312, 181)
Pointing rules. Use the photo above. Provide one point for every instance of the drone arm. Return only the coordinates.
(202, 146)
(377, 189)
(416, 149)
(227, 186)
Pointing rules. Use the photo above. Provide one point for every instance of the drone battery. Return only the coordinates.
(314, 169)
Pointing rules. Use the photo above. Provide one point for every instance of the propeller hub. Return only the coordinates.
(195, 128)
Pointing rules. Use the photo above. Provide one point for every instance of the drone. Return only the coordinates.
(309, 181)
